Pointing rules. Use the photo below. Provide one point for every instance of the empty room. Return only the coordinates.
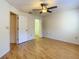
(39, 29)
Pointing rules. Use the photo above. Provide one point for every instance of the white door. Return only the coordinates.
(22, 29)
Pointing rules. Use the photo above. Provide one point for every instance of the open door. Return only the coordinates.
(14, 24)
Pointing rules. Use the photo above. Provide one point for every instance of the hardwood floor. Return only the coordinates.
(43, 49)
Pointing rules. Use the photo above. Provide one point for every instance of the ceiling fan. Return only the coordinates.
(45, 9)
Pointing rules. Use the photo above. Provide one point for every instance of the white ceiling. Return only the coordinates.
(28, 5)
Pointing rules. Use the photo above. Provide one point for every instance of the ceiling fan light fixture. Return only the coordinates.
(44, 9)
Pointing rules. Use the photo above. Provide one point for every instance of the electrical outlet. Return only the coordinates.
(76, 37)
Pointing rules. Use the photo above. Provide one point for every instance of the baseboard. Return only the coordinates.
(28, 41)
(5, 54)
(24, 42)
(13, 43)
(61, 41)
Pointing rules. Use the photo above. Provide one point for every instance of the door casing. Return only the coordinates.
(14, 28)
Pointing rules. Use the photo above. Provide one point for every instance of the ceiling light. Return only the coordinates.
(44, 9)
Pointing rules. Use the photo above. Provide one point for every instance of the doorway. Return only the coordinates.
(37, 28)
(14, 28)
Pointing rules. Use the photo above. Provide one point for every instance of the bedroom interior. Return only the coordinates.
(39, 29)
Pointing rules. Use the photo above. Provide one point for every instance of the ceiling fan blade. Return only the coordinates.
(52, 7)
(40, 12)
(49, 11)
(36, 9)
(44, 4)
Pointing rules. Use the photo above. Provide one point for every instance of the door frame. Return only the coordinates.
(38, 28)
(17, 27)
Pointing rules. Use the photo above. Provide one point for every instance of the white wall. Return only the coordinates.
(62, 25)
(4, 32)
(30, 26)
(5, 9)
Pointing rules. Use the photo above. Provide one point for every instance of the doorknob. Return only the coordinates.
(7, 27)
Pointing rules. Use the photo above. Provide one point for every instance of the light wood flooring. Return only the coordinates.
(43, 48)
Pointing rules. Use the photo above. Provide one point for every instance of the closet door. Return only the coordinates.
(22, 29)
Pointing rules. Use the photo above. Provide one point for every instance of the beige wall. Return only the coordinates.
(62, 25)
